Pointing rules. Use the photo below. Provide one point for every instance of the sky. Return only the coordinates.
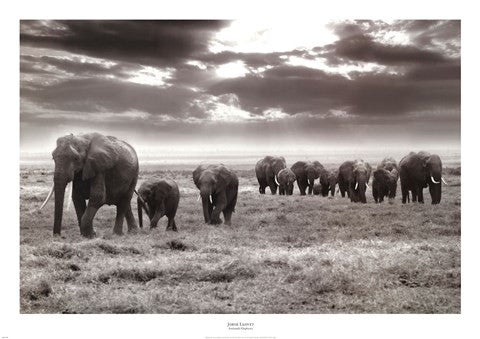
(242, 86)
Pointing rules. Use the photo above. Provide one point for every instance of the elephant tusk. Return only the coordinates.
(367, 185)
(199, 196)
(444, 181)
(433, 180)
(276, 181)
(69, 196)
(48, 198)
(210, 198)
(356, 185)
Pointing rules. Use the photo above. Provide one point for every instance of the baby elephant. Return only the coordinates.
(384, 184)
(158, 197)
(286, 178)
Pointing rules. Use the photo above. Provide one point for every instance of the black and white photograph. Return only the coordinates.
(230, 168)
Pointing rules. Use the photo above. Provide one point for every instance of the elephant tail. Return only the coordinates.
(144, 205)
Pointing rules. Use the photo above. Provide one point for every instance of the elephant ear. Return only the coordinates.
(161, 190)
(197, 173)
(224, 178)
(102, 155)
(269, 170)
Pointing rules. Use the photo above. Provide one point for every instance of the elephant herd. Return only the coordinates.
(416, 172)
(104, 170)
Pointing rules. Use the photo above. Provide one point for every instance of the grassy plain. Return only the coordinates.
(281, 255)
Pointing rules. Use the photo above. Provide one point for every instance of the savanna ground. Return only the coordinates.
(281, 255)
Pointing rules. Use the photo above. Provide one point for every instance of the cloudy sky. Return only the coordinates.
(241, 84)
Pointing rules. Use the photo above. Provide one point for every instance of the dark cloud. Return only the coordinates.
(145, 42)
(364, 48)
(299, 89)
(109, 95)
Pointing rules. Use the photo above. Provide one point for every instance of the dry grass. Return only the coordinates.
(281, 255)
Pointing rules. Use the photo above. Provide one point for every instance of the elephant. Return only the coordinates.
(218, 189)
(328, 182)
(419, 170)
(103, 169)
(306, 172)
(384, 184)
(388, 163)
(286, 179)
(158, 197)
(353, 178)
(267, 170)
(332, 181)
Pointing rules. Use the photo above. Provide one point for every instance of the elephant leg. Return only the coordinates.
(121, 211)
(86, 224)
(420, 195)
(132, 225)
(272, 184)
(79, 204)
(414, 194)
(171, 226)
(404, 193)
(432, 194)
(219, 204)
(227, 214)
(263, 184)
(96, 200)
(231, 196)
(351, 193)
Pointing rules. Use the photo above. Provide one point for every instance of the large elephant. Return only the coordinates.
(306, 173)
(104, 170)
(353, 178)
(158, 197)
(218, 189)
(419, 170)
(267, 170)
(384, 184)
(286, 179)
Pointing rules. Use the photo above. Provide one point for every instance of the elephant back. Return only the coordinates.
(298, 168)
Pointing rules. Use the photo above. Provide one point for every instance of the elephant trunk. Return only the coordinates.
(140, 212)
(206, 203)
(311, 182)
(206, 208)
(158, 214)
(59, 189)
(360, 188)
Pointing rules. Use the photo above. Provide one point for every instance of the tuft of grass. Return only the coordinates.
(176, 245)
(116, 250)
(64, 251)
(229, 272)
(36, 290)
(327, 278)
(131, 274)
